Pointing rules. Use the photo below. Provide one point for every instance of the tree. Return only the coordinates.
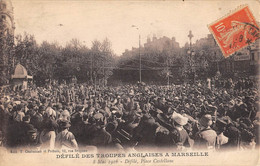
(48, 56)
(102, 60)
(49, 61)
(6, 57)
(26, 52)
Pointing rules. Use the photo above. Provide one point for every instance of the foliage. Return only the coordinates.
(162, 60)
(6, 55)
(50, 61)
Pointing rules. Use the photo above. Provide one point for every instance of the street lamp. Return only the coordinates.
(191, 53)
(215, 55)
(140, 60)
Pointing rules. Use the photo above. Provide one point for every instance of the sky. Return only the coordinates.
(61, 20)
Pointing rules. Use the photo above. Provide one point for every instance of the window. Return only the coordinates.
(228, 66)
(3, 17)
(4, 6)
(252, 56)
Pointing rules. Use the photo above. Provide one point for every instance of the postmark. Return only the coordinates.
(235, 31)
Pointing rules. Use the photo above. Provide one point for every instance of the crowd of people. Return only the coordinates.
(216, 114)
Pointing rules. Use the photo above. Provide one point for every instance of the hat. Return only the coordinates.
(99, 119)
(178, 118)
(111, 126)
(162, 119)
(131, 93)
(232, 102)
(17, 102)
(65, 113)
(221, 123)
(103, 112)
(187, 105)
(50, 112)
(65, 124)
(42, 108)
(243, 106)
(26, 117)
(32, 130)
(158, 111)
(212, 108)
(206, 120)
(243, 125)
(98, 116)
(247, 136)
(79, 108)
(246, 121)
(18, 107)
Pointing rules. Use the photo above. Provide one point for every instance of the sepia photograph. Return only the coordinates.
(132, 82)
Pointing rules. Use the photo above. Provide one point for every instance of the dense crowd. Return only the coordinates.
(215, 114)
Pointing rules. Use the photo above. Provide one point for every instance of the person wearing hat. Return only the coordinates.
(247, 139)
(145, 132)
(119, 137)
(50, 113)
(42, 109)
(185, 141)
(220, 127)
(48, 135)
(36, 118)
(4, 117)
(24, 126)
(100, 137)
(65, 139)
(78, 126)
(206, 137)
(163, 120)
(167, 135)
(64, 115)
(256, 129)
(18, 114)
(33, 139)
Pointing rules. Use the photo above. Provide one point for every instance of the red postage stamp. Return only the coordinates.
(235, 31)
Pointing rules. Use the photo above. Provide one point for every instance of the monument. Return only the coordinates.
(20, 77)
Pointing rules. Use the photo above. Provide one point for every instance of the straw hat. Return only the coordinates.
(178, 118)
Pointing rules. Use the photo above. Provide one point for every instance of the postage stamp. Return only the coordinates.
(235, 31)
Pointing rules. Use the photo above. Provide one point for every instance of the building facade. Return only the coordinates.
(161, 43)
(7, 28)
(244, 62)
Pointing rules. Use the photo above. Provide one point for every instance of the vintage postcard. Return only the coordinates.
(129, 82)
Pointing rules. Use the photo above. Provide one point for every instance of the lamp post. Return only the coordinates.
(190, 36)
(215, 54)
(191, 53)
(140, 59)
